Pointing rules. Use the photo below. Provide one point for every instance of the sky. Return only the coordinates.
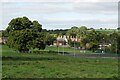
(62, 14)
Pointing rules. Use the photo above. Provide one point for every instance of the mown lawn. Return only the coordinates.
(66, 49)
(48, 65)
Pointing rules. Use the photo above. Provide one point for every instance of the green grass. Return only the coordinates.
(23, 65)
(107, 31)
(66, 50)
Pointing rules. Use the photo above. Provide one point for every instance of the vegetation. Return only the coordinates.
(91, 39)
(24, 34)
(57, 31)
(16, 65)
(50, 39)
(66, 50)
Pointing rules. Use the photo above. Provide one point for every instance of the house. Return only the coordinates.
(75, 39)
(3, 40)
(61, 41)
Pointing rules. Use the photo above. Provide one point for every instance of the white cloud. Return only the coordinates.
(64, 12)
(97, 8)
(59, 0)
(95, 1)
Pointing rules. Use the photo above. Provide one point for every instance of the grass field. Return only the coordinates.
(65, 49)
(23, 65)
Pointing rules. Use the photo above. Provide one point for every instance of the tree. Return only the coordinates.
(83, 28)
(82, 31)
(73, 32)
(4, 33)
(19, 24)
(74, 43)
(118, 43)
(25, 34)
(39, 42)
(94, 46)
(36, 26)
(91, 40)
(115, 42)
(50, 39)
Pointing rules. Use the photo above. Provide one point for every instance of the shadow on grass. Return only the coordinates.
(27, 58)
(48, 52)
(67, 78)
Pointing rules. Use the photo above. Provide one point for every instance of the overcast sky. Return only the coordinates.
(62, 14)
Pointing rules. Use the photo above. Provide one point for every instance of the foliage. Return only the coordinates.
(74, 43)
(19, 24)
(4, 33)
(39, 42)
(50, 39)
(115, 42)
(82, 31)
(73, 32)
(91, 39)
(25, 34)
(57, 31)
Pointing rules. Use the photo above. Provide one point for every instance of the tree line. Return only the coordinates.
(91, 39)
(24, 34)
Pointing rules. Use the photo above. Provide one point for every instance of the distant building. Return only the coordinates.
(75, 39)
(3, 40)
(60, 41)
(63, 40)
